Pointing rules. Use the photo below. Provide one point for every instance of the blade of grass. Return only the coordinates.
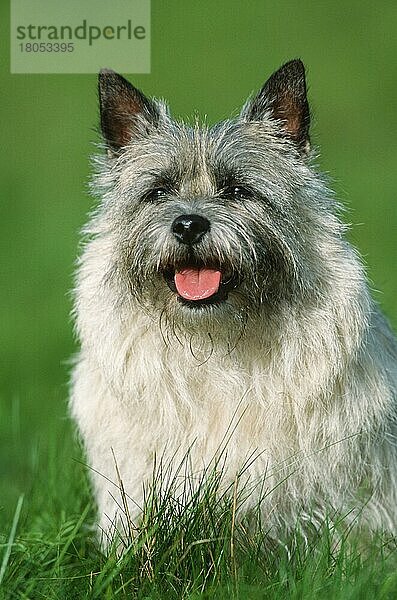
(72, 536)
(11, 538)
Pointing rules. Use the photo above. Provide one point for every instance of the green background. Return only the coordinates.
(206, 58)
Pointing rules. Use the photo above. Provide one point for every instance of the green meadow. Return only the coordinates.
(206, 58)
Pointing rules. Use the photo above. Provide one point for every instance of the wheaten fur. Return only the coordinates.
(296, 369)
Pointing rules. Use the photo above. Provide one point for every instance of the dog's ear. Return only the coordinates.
(124, 110)
(283, 97)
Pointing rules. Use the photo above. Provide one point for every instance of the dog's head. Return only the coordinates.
(211, 224)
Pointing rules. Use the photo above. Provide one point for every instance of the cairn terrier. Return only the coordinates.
(218, 299)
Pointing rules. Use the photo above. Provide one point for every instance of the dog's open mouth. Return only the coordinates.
(198, 286)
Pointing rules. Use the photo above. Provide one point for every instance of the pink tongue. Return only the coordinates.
(197, 284)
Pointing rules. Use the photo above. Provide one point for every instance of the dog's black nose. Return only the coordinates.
(189, 229)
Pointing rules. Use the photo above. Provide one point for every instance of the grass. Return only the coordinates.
(181, 550)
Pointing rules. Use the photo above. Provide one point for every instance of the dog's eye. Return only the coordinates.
(238, 192)
(155, 194)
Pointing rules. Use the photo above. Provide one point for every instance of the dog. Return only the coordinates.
(217, 298)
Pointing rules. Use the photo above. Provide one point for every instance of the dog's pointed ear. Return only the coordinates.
(283, 97)
(123, 109)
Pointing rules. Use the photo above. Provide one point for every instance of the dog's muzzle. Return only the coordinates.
(197, 283)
